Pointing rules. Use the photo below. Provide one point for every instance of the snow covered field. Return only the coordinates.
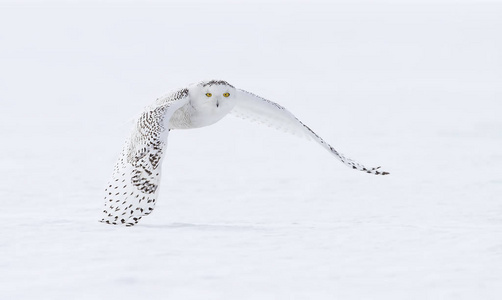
(247, 212)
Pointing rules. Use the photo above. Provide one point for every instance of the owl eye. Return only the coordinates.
(209, 94)
(226, 95)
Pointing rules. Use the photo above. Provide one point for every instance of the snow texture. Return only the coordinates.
(244, 211)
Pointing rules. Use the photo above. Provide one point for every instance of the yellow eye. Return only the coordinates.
(209, 94)
(226, 95)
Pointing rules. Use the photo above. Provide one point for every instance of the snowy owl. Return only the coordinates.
(133, 189)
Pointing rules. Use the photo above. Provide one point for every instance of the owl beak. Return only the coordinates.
(217, 103)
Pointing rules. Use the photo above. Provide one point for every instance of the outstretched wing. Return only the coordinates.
(133, 189)
(255, 108)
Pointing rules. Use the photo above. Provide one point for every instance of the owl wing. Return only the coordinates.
(255, 108)
(133, 188)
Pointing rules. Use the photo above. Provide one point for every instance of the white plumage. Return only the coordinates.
(133, 189)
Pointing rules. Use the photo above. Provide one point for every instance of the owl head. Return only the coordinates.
(213, 96)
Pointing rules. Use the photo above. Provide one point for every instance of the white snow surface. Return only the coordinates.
(246, 212)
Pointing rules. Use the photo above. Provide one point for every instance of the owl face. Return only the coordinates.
(211, 100)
